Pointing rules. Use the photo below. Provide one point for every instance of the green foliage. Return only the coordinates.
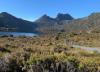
(36, 53)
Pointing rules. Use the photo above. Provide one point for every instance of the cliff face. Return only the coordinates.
(61, 17)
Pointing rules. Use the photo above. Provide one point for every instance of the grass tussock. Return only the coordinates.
(46, 53)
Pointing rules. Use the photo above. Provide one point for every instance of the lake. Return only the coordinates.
(17, 34)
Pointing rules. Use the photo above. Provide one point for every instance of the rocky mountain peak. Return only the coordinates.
(44, 18)
(61, 16)
(6, 15)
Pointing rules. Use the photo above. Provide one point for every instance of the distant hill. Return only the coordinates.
(47, 25)
(88, 24)
(11, 21)
(66, 23)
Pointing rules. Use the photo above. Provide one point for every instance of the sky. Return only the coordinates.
(33, 9)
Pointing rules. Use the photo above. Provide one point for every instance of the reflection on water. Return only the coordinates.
(17, 34)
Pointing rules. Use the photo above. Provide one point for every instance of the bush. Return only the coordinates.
(60, 49)
(8, 64)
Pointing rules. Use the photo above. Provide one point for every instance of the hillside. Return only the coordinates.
(11, 21)
(48, 25)
(66, 23)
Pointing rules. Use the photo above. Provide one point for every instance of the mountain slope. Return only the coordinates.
(13, 22)
(48, 25)
(88, 24)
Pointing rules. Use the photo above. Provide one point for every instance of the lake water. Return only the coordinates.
(17, 34)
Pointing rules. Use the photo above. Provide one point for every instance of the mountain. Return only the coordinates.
(47, 25)
(87, 24)
(66, 23)
(45, 19)
(11, 21)
(61, 17)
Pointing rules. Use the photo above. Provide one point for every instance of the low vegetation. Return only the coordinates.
(49, 53)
